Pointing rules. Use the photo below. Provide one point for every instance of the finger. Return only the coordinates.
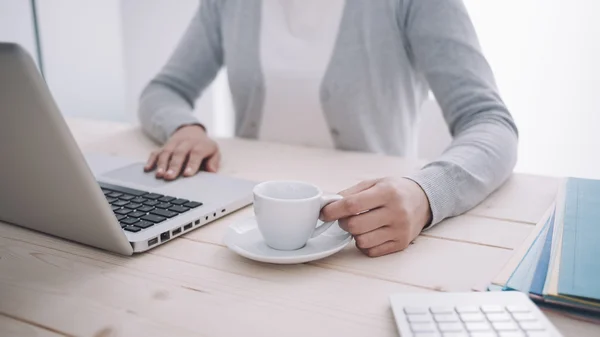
(374, 238)
(213, 163)
(371, 198)
(179, 156)
(385, 248)
(196, 156)
(365, 222)
(363, 185)
(151, 161)
(163, 161)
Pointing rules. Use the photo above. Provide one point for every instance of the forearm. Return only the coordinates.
(477, 162)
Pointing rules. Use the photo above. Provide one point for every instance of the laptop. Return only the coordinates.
(48, 185)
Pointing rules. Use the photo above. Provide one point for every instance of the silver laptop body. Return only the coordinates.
(48, 185)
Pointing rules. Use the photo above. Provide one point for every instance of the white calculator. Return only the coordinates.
(476, 314)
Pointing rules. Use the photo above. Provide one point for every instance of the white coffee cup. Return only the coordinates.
(287, 212)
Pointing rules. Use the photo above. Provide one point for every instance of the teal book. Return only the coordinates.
(580, 259)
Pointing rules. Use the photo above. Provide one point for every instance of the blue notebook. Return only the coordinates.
(580, 259)
(541, 271)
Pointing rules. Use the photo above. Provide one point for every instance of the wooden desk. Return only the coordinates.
(194, 286)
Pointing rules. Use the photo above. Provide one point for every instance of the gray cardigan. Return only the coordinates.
(387, 56)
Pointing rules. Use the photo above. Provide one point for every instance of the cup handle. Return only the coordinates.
(326, 200)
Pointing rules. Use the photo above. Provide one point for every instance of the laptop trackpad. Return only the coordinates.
(134, 174)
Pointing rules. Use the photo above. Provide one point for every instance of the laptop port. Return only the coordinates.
(206, 217)
(197, 222)
(152, 242)
(215, 215)
(223, 210)
(165, 236)
(177, 231)
(187, 227)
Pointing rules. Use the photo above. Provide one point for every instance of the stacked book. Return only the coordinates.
(559, 263)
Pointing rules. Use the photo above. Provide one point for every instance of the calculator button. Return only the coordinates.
(489, 309)
(477, 326)
(416, 311)
(467, 310)
(445, 318)
(472, 317)
(511, 334)
(531, 326)
(524, 317)
(517, 308)
(442, 310)
(505, 326)
(418, 318)
(504, 317)
(450, 327)
(422, 327)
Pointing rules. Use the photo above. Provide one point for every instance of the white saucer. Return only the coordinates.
(245, 239)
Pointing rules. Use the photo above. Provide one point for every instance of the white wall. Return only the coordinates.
(16, 24)
(83, 58)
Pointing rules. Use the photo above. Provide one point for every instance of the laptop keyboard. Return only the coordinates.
(137, 210)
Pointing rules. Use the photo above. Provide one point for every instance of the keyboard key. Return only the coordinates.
(166, 199)
(145, 208)
(114, 194)
(450, 327)
(114, 208)
(144, 224)
(517, 308)
(164, 212)
(477, 326)
(151, 203)
(179, 209)
(467, 310)
(120, 203)
(416, 311)
(120, 217)
(511, 334)
(455, 334)
(524, 317)
(504, 317)
(483, 334)
(105, 191)
(123, 211)
(139, 200)
(163, 205)
(418, 318)
(121, 189)
(423, 327)
(426, 334)
(192, 204)
(531, 326)
(126, 197)
(472, 317)
(133, 205)
(153, 196)
(136, 214)
(179, 201)
(445, 318)
(153, 218)
(132, 229)
(442, 310)
(490, 309)
(505, 326)
(111, 200)
(538, 334)
(129, 221)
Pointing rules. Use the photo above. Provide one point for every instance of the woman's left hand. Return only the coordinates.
(383, 215)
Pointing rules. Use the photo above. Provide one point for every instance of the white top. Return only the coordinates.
(296, 44)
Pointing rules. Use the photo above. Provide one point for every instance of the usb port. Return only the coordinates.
(187, 227)
(197, 222)
(176, 231)
(152, 242)
(165, 236)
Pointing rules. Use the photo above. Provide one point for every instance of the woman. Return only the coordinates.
(351, 74)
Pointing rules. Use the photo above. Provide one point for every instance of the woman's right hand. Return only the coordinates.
(185, 152)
